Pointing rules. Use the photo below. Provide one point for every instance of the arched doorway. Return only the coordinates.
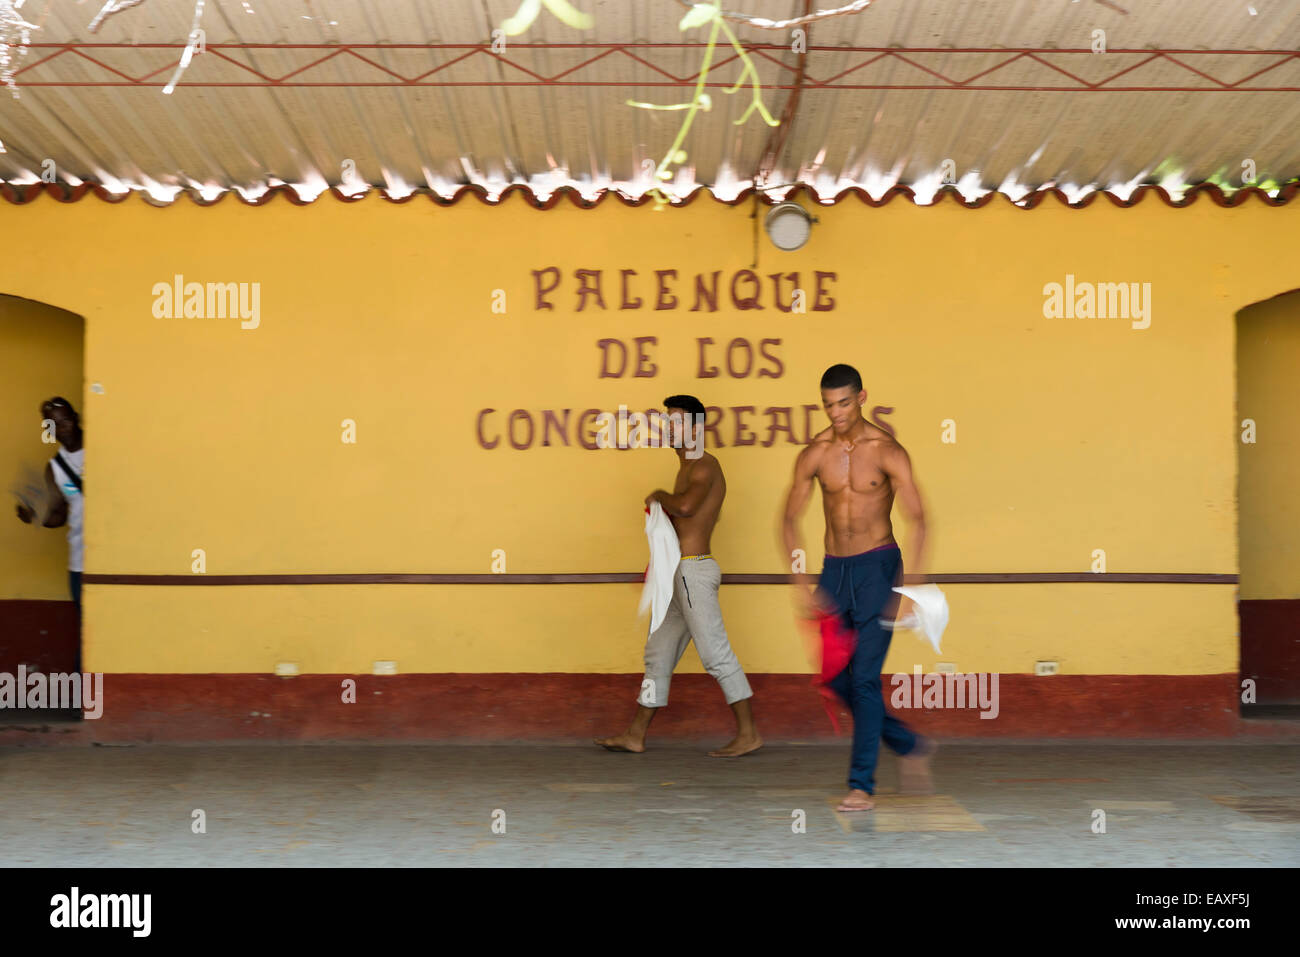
(41, 355)
(1268, 509)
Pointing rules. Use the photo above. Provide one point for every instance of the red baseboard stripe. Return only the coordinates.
(141, 708)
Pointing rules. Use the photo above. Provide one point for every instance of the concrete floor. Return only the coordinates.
(997, 804)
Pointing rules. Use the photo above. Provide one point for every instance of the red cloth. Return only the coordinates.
(836, 642)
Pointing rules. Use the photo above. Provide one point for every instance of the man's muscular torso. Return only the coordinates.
(857, 495)
(695, 532)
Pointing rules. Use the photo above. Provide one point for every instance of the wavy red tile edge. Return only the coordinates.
(21, 195)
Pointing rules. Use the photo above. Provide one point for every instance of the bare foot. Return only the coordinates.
(856, 801)
(914, 768)
(623, 742)
(740, 744)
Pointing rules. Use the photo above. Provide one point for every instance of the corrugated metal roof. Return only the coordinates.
(997, 96)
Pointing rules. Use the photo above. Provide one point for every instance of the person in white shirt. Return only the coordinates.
(63, 479)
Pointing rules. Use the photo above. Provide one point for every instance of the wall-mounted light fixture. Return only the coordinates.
(788, 225)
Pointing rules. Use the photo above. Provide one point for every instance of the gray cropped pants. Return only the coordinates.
(693, 613)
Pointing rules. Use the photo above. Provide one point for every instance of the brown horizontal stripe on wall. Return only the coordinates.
(1005, 578)
(365, 579)
(596, 578)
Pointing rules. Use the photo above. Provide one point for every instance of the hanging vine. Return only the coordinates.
(699, 15)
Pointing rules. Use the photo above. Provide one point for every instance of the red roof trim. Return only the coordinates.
(22, 195)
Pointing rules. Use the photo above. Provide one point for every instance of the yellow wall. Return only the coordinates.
(1073, 434)
(40, 357)
(1268, 393)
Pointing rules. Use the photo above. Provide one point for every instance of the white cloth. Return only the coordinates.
(928, 615)
(665, 556)
(76, 501)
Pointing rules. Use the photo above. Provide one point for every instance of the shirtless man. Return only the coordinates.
(693, 507)
(860, 469)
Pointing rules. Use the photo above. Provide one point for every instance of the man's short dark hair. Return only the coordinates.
(60, 402)
(687, 403)
(839, 376)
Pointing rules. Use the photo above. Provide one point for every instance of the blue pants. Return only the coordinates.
(74, 586)
(861, 587)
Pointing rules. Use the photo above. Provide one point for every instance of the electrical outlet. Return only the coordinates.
(1046, 667)
(286, 669)
(385, 668)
